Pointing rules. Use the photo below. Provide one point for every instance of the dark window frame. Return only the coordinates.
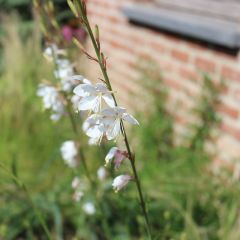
(204, 28)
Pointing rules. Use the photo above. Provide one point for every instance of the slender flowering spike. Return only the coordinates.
(101, 173)
(51, 100)
(112, 118)
(89, 208)
(93, 96)
(120, 182)
(69, 153)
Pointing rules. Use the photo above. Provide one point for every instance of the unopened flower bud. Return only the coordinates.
(120, 182)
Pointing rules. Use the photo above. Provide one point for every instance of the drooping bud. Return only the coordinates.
(117, 155)
(120, 182)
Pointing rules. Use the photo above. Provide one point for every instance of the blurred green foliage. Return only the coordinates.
(24, 10)
(184, 199)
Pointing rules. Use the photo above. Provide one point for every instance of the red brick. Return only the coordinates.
(231, 130)
(188, 74)
(159, 47)
(173, 83)
(179, 55)
(230, 111)
(230, 73)
(205, 64)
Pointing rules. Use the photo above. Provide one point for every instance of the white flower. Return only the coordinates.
(69, 153)
(112, 118)
(52, 51)
(64, 70)
(117, 155)
(78, 195)
(76, 183)
(94, 128)
(73, 81)
(48, 94)
(101, 173)
(120, 182)
(89, 208)
(93, 96)
(51, 100)
(70, 81)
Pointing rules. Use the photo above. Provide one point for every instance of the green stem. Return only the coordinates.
(22, 186)
(107, 81)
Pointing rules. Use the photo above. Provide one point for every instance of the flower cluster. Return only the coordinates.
(52, 99)
(104, 121)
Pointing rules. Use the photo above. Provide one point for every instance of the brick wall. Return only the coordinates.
(181, 62)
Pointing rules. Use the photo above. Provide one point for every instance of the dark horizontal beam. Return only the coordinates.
(208, 29)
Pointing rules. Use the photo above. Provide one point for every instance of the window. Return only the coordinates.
(215, 21)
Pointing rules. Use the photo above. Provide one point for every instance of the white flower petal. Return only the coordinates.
(89, 103)
(69, 153)
(76, 78)
(114, 130)
(110, 155)
(86, 81)
(108, 112)
(108, 98)
(129, 118)
(84, 89)
(120, 110)
(101, 87)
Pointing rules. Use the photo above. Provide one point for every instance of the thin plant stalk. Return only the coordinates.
(22, 186)
(102, 64)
